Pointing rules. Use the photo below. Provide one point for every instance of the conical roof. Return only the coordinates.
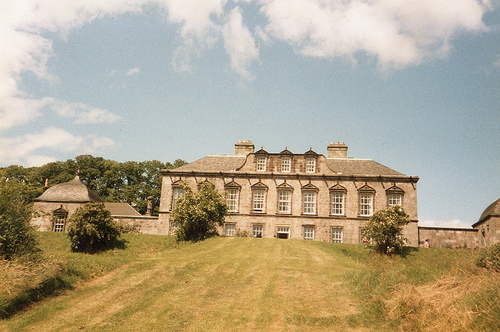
(491, 211)
(71, 191)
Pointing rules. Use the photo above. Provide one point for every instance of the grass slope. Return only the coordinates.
(267, 284)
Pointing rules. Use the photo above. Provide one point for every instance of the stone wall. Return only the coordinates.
(449, 237)
(143, 224)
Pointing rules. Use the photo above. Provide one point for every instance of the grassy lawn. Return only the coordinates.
(263, 284)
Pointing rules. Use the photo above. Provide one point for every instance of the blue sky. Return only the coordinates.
(414, 85)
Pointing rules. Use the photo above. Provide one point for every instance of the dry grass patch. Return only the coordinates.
(452, 303)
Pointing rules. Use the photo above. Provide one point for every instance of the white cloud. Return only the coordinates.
(25, 149)
(133, 71)
(454, 223)
(82, 113)
(239, 43)
(398, 33)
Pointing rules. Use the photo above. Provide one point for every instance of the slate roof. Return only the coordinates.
(71, 191)
(491, 211)
(361, 167)
(215, 164)
(365, 167)
(121, 209)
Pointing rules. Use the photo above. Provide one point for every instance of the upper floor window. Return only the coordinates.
(394, 199)
(232, 199)
(310, 165)
(261, 163)
(286, 163)
(337, 203)
(365, 204)
(284, 201)
(259, 200)
(177, 193)
(309, 202)
(394, 196)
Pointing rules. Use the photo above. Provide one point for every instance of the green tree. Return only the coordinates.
(92, 229)
(197, 215)
(384, 229)
(17, 235)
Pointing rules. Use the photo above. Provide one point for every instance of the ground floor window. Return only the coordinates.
(230, 230)
(283, 232)
(309, 233)
(59, 223)
(337, 234)
(257, 231)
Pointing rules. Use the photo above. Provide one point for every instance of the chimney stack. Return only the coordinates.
(243, 148)
(337, 150)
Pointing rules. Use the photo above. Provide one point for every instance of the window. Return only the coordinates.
(394, 199)
(284, 201)
(283, 232)
(257, 231)
(286, 163)
(232, 198)
(59, 221)
(177, 194)
(230, 230)
(259, 200)
(337, 235)
(309, 202)
(310, 165)
(338, 203)
(309, 233)
(365, 204)
(261, 163)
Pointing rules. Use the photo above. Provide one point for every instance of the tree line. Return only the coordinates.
(131, 182)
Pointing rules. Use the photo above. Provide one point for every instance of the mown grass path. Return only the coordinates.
(219, 284)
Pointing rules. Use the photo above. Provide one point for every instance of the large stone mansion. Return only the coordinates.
(300, 196)
(281, 195)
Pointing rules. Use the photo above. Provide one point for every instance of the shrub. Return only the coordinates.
(198, 215)
(17, 235)
(92, 229)
(490, 258)
(384, 229)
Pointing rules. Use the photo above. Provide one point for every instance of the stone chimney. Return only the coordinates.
(337, 150)
(243, 148)
(149, 209)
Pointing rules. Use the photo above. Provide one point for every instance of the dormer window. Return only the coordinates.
(286, 163)
(261, 163)
(310, 165)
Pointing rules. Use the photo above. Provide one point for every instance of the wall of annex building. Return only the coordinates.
(43, 220)
(489, 232)
(323, 219)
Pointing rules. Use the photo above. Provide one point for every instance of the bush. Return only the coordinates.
(92, 229)
(17, 235)
(198, 215)
(384, 229)
(490, 258)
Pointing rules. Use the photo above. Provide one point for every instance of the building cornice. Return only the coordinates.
(291, 176)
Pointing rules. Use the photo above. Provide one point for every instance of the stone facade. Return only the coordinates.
(298, 196)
